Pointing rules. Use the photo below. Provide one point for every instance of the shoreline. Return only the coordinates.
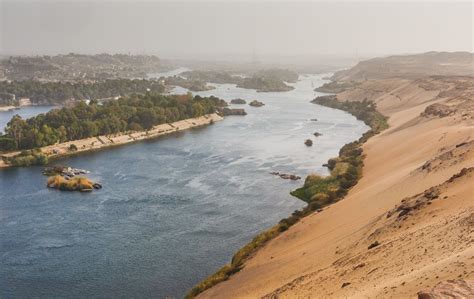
(419, 169)
(61, 150)
(376, 122)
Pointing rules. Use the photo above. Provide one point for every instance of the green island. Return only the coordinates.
(317, 191)
(264, 84)
(59, 93)
(127, 114)
(269, 80)
(190, 84)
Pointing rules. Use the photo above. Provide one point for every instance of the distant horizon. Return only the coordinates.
(220, 29)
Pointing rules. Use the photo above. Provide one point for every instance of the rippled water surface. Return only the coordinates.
(173, 209)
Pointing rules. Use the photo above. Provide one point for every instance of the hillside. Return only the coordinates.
(78, 67)
(407, 224)
(410, 66)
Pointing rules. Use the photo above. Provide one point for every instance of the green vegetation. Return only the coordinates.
(317, 191)
(77, 67)
(264, 84)
(278, 74)
(365, 111)
(219, 77)
(336, 86)
(84, 121)
(56, 93)
(27, 158)
(262, 81)
(191, 84)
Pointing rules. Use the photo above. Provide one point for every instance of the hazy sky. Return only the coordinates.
(205, 28)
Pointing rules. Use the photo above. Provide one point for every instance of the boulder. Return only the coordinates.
(458, 288)
(308, 142)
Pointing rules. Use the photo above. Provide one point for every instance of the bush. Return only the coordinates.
(73, 147)
(27, 158)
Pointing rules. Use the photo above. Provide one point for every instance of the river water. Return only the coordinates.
(173, 210)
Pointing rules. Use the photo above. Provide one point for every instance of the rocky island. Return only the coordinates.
(256, 103)
(238, 101)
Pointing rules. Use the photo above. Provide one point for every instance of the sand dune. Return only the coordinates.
(327, 255)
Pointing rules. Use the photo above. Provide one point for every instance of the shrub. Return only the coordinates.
(73, 147)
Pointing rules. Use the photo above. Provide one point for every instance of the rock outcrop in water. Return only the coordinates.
(256, 103)
(232, 111)
(286, 176)
(81, 184)
(238, 101)
(317, 134)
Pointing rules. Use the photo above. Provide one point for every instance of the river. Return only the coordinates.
(174, 209)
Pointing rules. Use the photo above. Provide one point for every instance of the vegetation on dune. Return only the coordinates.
(365, 111)
(137, 112)
(336, 86)
(317, 191)
(56, 93)
(78, 67)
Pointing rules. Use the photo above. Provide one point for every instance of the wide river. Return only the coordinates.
(173, 210)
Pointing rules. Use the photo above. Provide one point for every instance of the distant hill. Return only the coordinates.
(72, 67)
(410, 66)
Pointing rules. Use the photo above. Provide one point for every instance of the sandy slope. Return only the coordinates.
(433, 242)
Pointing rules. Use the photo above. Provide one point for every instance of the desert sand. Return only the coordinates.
(100, 142)
(414, 207)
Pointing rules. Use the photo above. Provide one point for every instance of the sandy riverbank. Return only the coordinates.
(430, 139)
(6, 108)
(101, 142)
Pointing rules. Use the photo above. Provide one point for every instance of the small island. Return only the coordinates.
(69, 179)
(79, 183)
(269, 80)
(238, 101)
(191, 84)
(86, 127)
(256, 103)
(231, 111)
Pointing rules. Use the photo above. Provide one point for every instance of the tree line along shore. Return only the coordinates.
(87, 127)
(43, 155)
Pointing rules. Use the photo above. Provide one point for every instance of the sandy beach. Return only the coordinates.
(101, 142)
(6, 108)
(416, 166)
